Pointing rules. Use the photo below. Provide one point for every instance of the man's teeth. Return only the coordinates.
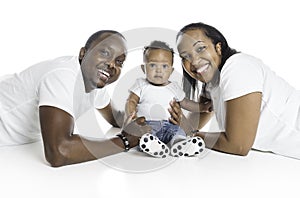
(203, 68)
(105, 73)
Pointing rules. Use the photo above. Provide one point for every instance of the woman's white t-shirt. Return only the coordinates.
(58, 83)
(279, 124)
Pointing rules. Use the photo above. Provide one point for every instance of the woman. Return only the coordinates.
(254, 107)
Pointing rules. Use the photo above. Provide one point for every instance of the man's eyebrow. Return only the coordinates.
(197, 43)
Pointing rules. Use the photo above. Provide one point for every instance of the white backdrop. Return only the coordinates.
(36, 30)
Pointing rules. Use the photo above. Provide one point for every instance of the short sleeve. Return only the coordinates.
(136, 88)
(102, 98)
(241, 75)
(178, 92)
(56, 89)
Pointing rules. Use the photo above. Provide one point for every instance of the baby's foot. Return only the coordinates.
(189, 147)
(153, 146)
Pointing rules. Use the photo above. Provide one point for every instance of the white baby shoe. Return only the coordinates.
(153, 146)
(191, 146)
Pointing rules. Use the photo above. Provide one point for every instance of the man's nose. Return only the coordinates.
(110, 64)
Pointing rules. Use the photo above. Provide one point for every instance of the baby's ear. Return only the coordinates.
(143, 68)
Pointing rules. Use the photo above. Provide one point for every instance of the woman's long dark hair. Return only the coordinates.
(189, 83)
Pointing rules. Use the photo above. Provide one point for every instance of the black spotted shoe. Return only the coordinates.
(151, 145)
(191, 146)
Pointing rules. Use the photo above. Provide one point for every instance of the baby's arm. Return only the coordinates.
(131, 105)
(193, 106)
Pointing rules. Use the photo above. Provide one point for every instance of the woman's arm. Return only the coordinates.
(200, 113)
(242, 116)
(193, 106)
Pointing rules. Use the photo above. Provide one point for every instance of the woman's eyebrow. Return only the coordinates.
(197, 43)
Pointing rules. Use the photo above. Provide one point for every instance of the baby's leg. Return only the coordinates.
(151, 145)
(184, 146)
(191, 146)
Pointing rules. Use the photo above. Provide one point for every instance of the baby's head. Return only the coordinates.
(158, 61)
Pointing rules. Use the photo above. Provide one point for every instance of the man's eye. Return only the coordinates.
(104, 53)
(119, 62)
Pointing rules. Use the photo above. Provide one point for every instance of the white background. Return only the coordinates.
(36, 30)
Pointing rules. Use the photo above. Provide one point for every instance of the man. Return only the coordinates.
(51, 95)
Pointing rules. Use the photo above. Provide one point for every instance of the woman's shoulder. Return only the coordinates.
(242, 62)
(242, 58)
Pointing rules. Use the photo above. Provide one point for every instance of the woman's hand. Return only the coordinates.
(175, 112)
(206, 105)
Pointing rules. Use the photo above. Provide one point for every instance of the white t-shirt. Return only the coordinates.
(279, 124)
(154, 100)
(56, 83)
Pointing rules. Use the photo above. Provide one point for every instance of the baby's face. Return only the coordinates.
(158, 66)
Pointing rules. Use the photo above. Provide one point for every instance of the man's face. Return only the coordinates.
(102, 62)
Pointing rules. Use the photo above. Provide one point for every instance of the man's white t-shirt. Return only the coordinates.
(154, 100)
(279, 124)
(57, 83)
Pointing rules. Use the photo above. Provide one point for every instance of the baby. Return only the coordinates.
(150, 97)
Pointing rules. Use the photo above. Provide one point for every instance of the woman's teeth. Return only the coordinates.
(203, 69)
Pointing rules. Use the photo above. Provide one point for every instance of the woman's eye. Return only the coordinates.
(185, 58)
(200, 49)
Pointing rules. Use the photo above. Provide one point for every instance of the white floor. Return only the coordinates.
(25, 173)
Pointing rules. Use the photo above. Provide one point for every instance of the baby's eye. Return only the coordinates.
(152, 65)
(165, 66)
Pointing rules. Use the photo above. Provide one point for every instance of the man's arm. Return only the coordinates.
(112, 116)
(62, 147)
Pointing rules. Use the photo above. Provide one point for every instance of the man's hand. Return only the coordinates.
(133, 129)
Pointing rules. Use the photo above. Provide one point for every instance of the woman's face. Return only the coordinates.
(200, 57)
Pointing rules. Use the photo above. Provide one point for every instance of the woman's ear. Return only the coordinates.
(143, 68)
(219, 48)
(81, 54)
